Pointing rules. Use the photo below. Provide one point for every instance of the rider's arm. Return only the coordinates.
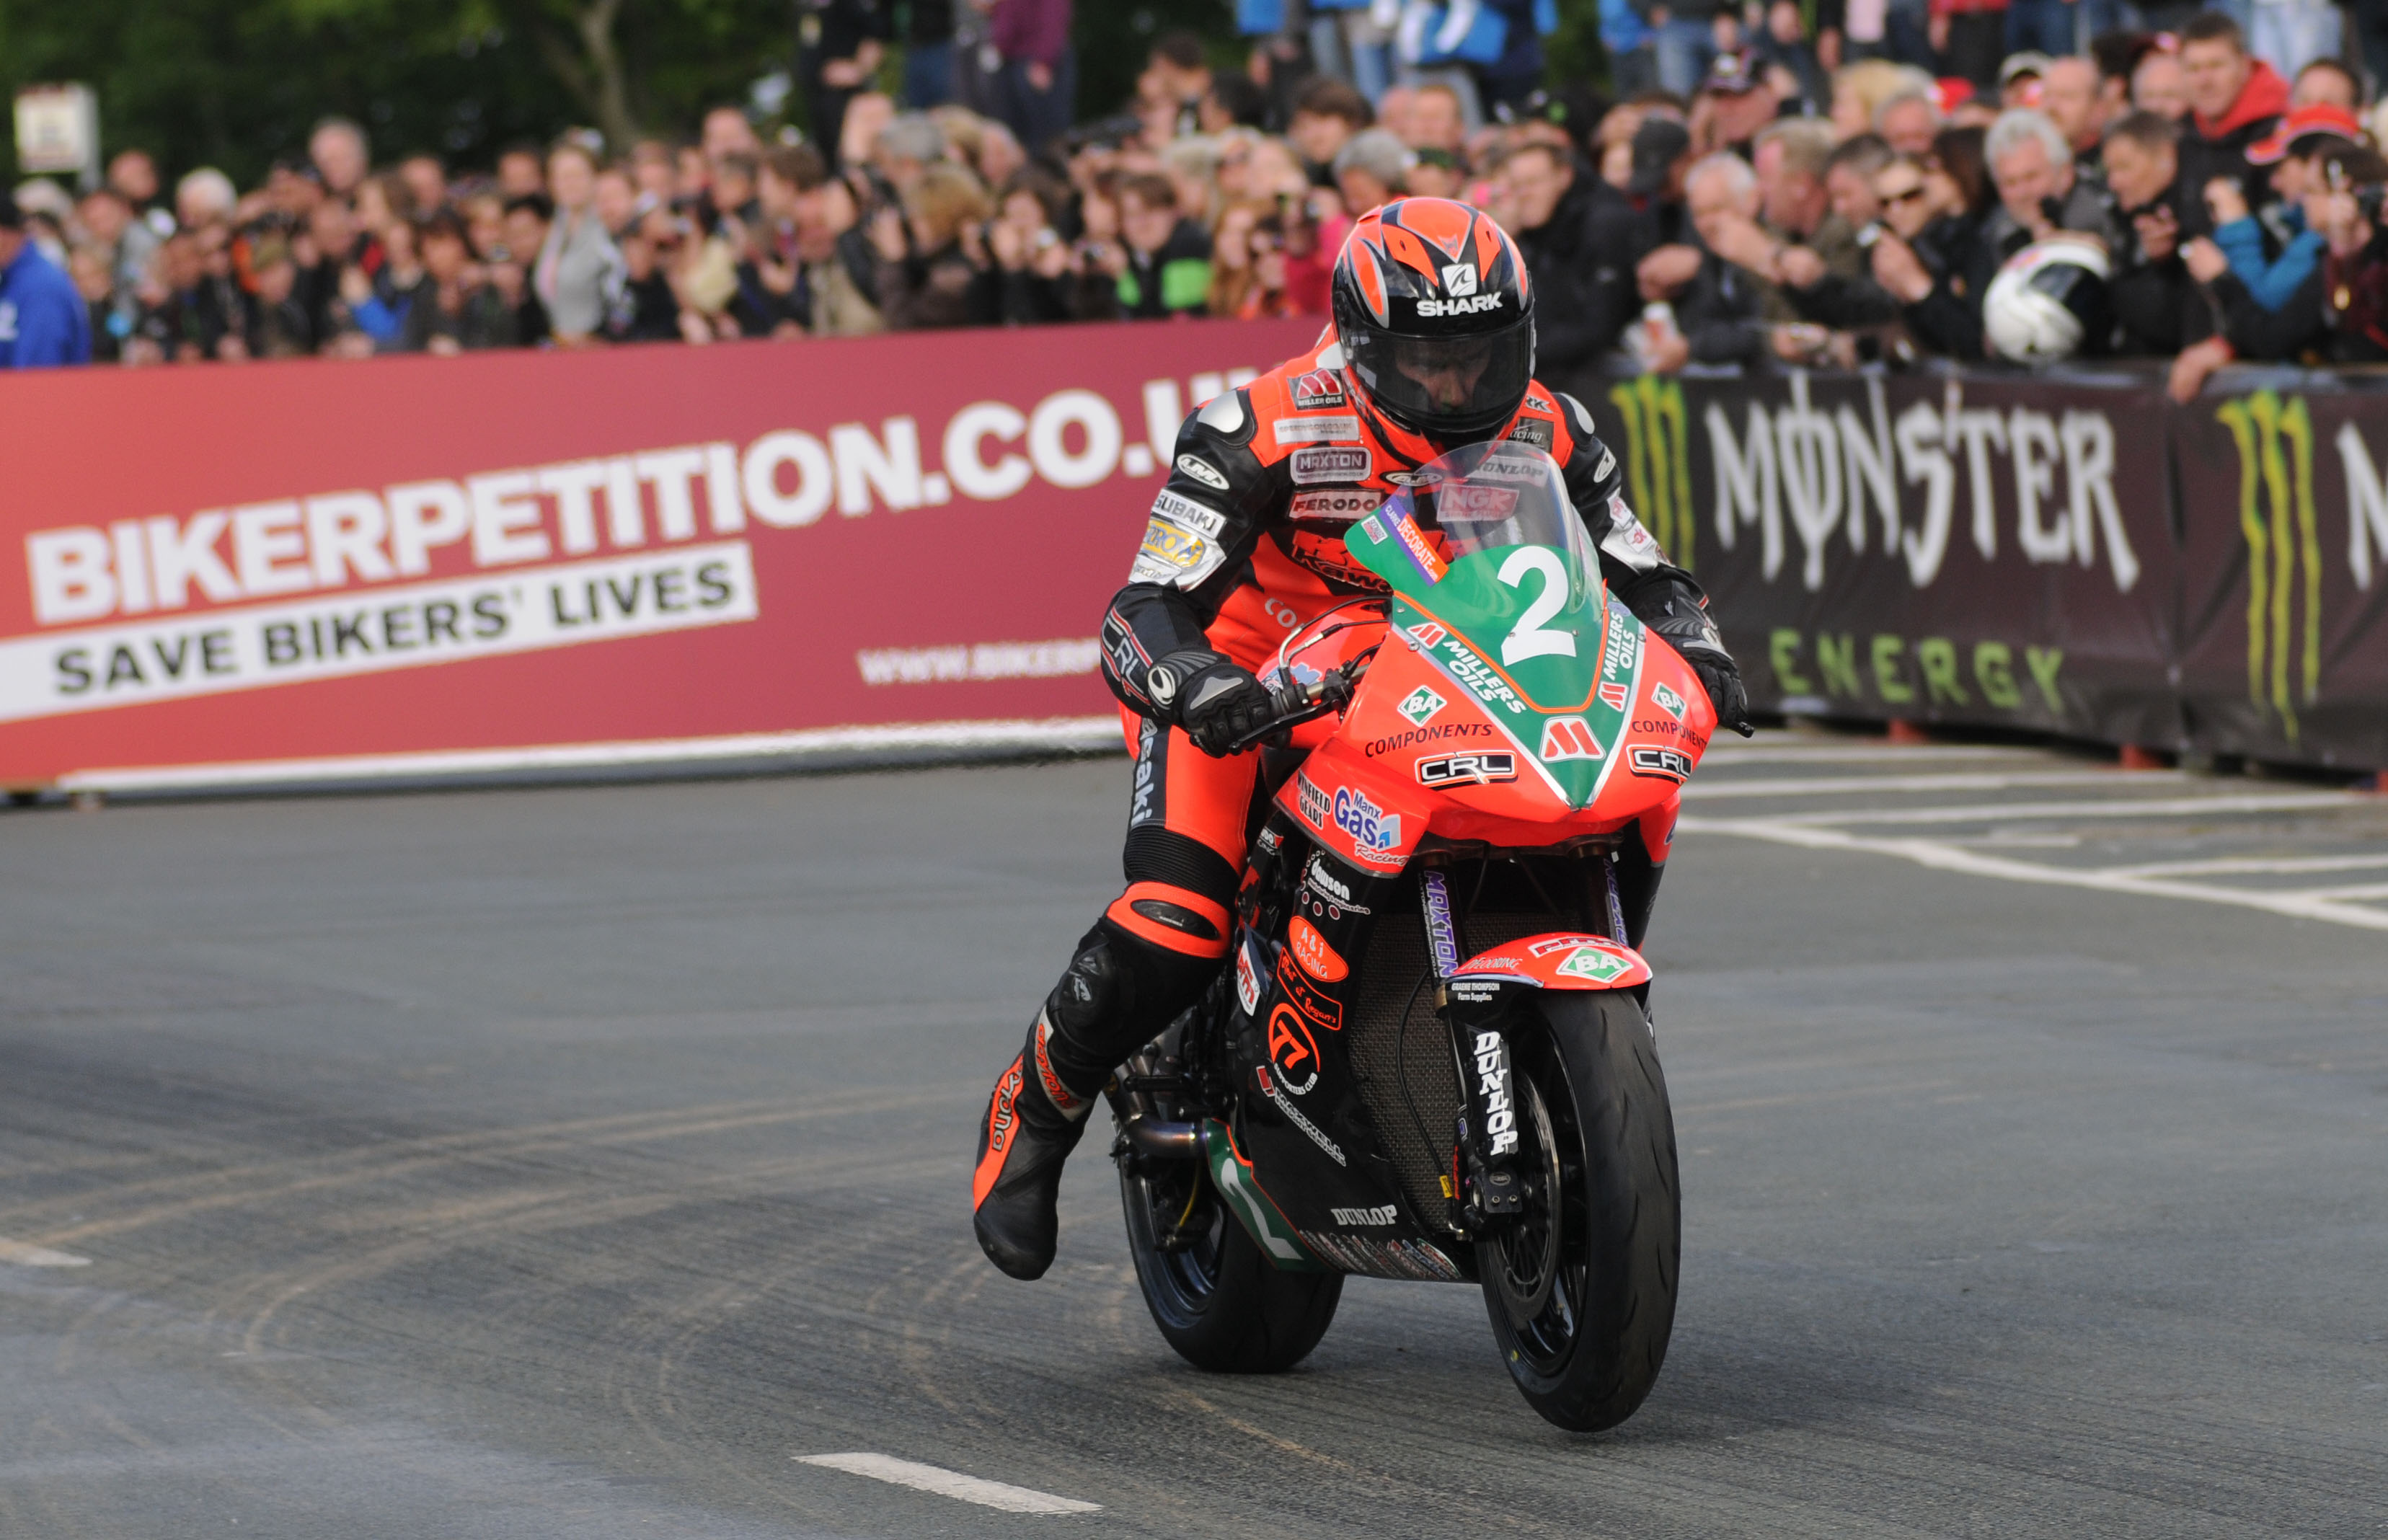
(1198, 545)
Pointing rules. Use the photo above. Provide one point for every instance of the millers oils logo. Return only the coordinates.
(2276, 514)
(1657, 459)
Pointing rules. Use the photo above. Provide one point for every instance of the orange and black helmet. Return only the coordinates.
(1436, 317)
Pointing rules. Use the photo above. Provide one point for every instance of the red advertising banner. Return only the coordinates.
(316, 570)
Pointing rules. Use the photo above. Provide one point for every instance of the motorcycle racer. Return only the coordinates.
(1432, 348)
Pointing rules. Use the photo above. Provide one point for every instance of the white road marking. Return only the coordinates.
(2112, 807)
(951, 1484)
(1840, 785)
(2254, 865)
(1949, 857)
(2360, 890)
(24, 1253)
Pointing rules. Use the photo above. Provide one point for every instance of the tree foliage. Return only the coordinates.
(238, 83)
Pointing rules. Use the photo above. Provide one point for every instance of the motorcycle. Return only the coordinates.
(1429, 1055)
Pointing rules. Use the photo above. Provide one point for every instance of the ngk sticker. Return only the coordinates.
(1568, 738)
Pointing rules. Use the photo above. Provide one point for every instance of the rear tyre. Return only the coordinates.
(1217, 1298)
(1581, 1292)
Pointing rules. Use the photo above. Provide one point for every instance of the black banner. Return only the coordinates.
(2066, 553)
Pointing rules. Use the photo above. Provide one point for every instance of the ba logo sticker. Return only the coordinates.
(1459, 280)
(1568, 738)
(1594, 964)
(1421, 706)
(1668, 701)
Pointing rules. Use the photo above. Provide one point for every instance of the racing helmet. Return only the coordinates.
(2047, 301)
(1436, 318)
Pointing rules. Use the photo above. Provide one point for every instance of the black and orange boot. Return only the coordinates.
(1032, 1122)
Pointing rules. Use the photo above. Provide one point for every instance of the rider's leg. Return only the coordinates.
(1146, 960)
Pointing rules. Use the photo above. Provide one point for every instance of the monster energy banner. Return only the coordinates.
(2067, 554)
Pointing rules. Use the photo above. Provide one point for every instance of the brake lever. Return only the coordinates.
(1297, 704)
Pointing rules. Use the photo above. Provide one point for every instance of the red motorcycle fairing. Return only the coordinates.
(1560, 959)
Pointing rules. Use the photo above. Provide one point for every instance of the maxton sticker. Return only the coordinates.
(1312, 466)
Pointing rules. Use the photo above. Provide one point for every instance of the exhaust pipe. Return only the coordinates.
(1171, 1141)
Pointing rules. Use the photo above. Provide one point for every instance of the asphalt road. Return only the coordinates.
(572, 1162)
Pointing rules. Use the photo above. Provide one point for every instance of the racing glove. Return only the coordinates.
(1686, 626)
(1213, 699)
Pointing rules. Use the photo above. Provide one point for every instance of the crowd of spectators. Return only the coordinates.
(1775, 188)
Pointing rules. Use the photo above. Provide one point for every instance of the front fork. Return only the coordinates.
(1484, 1187)
(1483, 1184)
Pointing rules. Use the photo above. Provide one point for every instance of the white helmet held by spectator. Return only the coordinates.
(2047, 301)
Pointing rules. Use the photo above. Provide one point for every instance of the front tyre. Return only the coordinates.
(1582, 1291)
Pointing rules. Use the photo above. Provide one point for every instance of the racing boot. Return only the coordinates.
(1032, 1122)
(1102, 1010)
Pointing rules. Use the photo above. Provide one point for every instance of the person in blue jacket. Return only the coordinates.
(42, 319)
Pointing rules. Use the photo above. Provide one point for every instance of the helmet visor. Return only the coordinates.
(1454, 383)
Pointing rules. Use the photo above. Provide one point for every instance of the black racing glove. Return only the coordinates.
(1721, 678)
(1211, 697)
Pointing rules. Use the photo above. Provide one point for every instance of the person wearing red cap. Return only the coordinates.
(2290, 151)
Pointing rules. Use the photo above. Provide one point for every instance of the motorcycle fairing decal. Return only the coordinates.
(1561, 960)
(1231, 1176)
(1293, 1114)
(1442, 944)
(1409, 1261)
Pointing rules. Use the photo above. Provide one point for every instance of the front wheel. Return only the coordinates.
(1582, 1290)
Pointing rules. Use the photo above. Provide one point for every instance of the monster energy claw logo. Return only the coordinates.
(2276, 514)
(1658, 460)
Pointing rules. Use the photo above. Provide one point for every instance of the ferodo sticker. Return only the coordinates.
(1174, 555)
(1663, 764)
(1312, 466)
(1319, 960)
(1337, 503)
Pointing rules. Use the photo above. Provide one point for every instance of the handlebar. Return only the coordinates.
(1295, 703)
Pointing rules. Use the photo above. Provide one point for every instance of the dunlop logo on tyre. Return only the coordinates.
(2276, 515)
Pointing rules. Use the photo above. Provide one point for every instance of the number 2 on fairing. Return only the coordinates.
(1530, 637)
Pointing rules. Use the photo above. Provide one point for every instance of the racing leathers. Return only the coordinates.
(1244, 546)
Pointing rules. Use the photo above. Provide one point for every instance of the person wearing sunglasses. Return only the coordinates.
(1925, 253)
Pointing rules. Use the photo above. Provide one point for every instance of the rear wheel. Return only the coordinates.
(1217, 1298)
(1582, 1291)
